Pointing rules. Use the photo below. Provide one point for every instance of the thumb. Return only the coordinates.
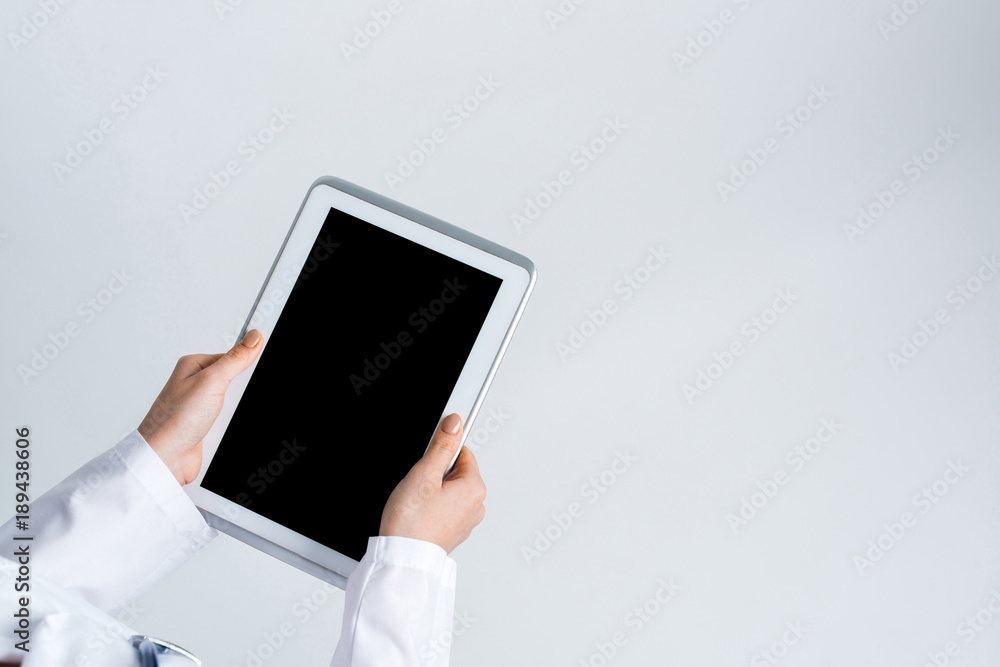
(446, 442)
(239, 357)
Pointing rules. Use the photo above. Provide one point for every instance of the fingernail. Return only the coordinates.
(451, 423)
(251, 339)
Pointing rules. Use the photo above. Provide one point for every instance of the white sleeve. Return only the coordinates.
(113, 528)
(399, 606)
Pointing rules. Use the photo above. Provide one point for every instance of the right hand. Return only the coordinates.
(190, 402)
(427, 505)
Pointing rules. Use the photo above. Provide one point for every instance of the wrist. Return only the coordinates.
(159, 444)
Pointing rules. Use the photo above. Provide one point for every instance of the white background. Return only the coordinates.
(63, 234)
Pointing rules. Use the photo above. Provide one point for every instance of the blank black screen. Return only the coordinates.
(352, 382)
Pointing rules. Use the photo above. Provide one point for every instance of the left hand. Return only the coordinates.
(190, 402)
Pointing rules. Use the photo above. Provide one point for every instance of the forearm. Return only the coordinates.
(115, 527)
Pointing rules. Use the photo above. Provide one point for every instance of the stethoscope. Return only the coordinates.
(150, 647)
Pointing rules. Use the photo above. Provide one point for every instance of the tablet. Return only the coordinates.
(378, 321)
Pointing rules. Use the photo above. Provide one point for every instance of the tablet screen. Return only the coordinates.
(351, 383)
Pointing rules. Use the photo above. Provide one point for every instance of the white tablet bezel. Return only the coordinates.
(516, 272)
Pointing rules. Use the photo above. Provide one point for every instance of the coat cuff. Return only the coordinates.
(150, 470)
(409, 552)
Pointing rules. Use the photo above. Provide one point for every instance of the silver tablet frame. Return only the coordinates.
(280, 552)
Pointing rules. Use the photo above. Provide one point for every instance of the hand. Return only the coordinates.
(427, 505)
(189, 403)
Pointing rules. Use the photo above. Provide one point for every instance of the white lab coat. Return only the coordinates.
(120, 524)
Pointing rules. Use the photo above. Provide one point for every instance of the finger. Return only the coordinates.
(447, 439)
(190, 364)
(465, 480)
(238, 358)
(466, 466)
